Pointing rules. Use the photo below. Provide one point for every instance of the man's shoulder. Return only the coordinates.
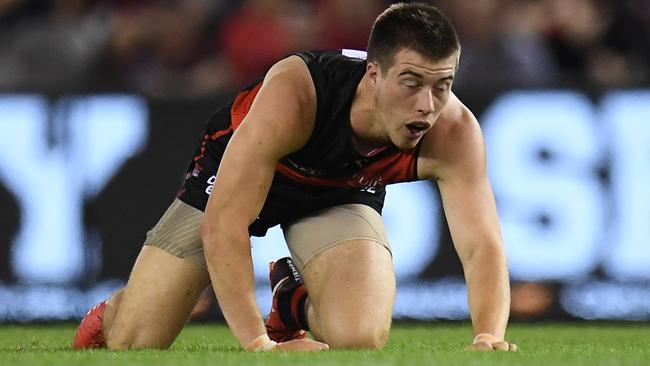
(456, 114)
(290, 70)
(334, 75)
(455, 138)
(456, 122)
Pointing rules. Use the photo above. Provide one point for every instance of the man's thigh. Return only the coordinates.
(332, 227)
(349, 274)
(164, 285)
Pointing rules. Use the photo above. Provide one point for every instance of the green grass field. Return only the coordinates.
(420, 344)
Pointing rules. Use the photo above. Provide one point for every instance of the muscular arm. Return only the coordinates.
(471, 212)
(279, 122)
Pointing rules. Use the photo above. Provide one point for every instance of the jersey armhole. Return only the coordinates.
(315, 72)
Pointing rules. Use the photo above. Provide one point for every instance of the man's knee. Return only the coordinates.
(112, 307)
(123, 339)
(127, 333)
(359, 336)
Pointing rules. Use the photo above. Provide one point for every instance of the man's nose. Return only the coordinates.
(426, 104)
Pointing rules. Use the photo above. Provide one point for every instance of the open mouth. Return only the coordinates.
(417, 127)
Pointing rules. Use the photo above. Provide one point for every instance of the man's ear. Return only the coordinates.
(374, 71)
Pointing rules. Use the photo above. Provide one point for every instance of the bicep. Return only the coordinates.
(467, 195)
(279, 122)
(242, 183)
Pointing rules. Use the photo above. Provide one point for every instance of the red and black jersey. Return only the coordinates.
(327, 171)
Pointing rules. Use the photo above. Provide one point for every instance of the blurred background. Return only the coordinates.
(102, 102)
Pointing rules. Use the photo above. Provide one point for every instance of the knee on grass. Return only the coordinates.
(359, 337)
(135, 339)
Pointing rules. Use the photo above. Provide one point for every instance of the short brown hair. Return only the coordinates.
(415, 26)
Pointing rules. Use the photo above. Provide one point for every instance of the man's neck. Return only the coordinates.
(367, 133)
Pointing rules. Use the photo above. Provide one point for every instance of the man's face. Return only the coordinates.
(411, 95)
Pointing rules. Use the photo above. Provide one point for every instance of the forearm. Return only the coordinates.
(488, 289)
(230, 265)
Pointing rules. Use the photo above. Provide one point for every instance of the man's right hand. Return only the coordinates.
(488, 342)
(264, 344)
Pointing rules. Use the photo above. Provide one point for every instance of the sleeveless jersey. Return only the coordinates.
(327, 171)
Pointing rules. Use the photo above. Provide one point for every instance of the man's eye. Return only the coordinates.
(410, 83)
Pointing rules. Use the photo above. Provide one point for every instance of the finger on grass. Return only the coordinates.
(481, 346)
(303, 345)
